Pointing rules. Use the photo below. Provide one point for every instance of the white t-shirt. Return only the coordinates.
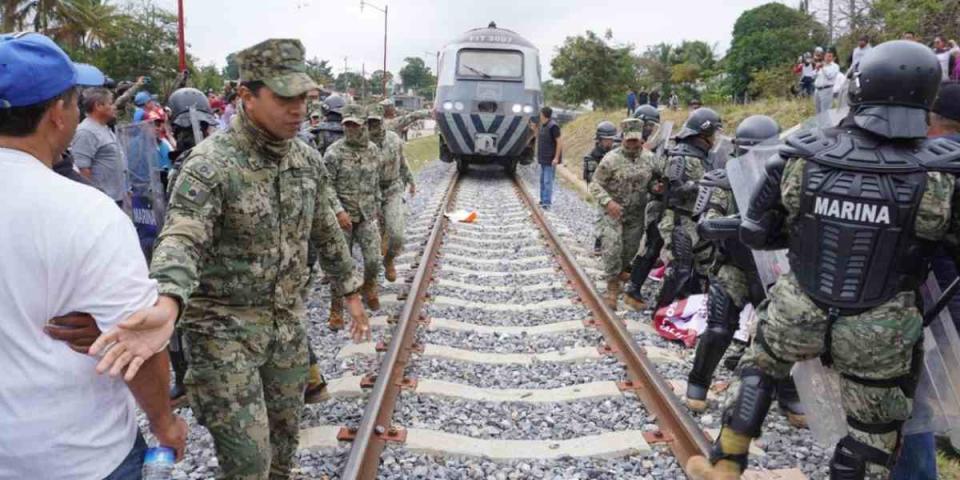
(826, 75)
(858, 54)
(64, 247)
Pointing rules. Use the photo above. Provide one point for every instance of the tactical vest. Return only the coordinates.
(852, 244)
(681, 194)
(331, 132)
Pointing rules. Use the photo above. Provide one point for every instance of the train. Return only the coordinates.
(488, 97)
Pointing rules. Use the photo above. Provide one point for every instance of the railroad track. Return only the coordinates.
(504, 352)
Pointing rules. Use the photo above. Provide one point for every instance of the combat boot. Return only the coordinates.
(316, 391)
(597, 246)
(389, 269)
(336, 314)
(631, 297)
(613, 293)
(788, 398)
(370, 295)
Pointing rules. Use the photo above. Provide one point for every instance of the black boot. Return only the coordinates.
(597, 245)
(721, 311)
(788, 398)
(734, 353)
(850, 458)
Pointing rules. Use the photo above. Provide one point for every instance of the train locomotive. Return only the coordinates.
(488, 92)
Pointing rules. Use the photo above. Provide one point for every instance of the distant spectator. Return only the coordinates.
(164, 147)
(808, 73)
(674, 101)
(549, 154)
(95, 148)
(145, 103)
(229, 110)
(863, 46)
(817, 56)
(654, 98)
(643, 98)
(631, 101)
(64, 248)
(945, 55)
(694, 104)
(908, 35)
(827, 74)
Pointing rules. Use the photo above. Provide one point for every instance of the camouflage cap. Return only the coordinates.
(632, 129)
(375, 112)
(279, 64)
(387, 102)
(354, 113)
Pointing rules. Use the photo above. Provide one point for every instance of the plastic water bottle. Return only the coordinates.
(158, 463)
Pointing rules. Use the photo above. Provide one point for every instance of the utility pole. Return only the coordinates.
(830, 19)
(385, 11)
(181, 43)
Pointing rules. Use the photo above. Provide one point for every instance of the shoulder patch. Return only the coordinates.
(192, 191)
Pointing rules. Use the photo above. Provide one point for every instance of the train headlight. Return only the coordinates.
(517, 108)
(458, 106)
(448, 105)
(528, 109)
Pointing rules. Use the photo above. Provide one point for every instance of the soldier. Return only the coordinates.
(733, 278)
(683, 169)
(330, 129)
(605, 138)
(400, 124)
(233, 254)
(857, 210)
(395, 175)
(620, 188)
(651, 243)
(354, 163)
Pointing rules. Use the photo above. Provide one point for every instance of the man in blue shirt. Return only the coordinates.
(631, 102)
(549, 155)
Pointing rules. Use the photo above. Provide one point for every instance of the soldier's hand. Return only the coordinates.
(360, 325)
(171, 432)
(614, 210)
(78, 330)
(133, 341)
(346, 223)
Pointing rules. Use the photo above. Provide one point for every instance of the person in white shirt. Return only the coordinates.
(827, 73)
(945, 55)
(863, 46)
(66, 247)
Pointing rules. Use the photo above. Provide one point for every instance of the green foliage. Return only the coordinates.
(416, 75)
(773, 82)
(375, 84)
(681, 69)
(206, 78)
(347, 80)
(766, 37)
(592, 69)
(320, 71)
(232, 70)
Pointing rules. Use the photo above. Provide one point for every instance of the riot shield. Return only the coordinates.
(147, 200)
(936, 402)
(819, 387)
(663, 138)
(720, 153)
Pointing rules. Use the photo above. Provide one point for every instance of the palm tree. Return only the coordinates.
(14, 13)
(84, 23)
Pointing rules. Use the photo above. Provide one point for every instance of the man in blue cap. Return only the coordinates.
(65, 247)
(145, 103)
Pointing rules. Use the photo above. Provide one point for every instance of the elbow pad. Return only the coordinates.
(762, 225)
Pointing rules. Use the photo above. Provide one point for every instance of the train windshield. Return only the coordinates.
(486, 64)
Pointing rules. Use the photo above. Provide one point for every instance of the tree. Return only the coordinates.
(771, 35)
(231, 71)
(593, 69)
(348, 80)
(320, 71)
(416, 76)
(375, 84)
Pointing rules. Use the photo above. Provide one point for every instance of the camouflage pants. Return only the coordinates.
(875, 345)
(366, 234)
(734, 283)
(393, 220)
(620, 240)
(246, 386)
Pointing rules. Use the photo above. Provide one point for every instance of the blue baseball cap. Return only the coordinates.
(142, 98)
(33, 70)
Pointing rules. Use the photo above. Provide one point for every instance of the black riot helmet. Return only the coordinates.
(702, 121)
(333, 104)
(755, 130)
(606, 129)
(893, 87)
(647, 113)
(180, 103)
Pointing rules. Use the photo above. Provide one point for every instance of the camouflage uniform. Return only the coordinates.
(395, 177)
(401, 124)
(622, 177)
(795, 328)
(233, 251)
(355, 170)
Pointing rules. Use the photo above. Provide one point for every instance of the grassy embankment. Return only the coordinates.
(421, 151)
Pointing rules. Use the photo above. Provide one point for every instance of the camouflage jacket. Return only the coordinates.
(403, 122)
(240, 219)
(624, 180)
(395, 172)
(355, 175)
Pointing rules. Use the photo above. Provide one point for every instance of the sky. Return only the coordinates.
(338, 31)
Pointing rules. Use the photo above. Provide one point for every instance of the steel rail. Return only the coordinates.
(677, 427)
(369, 442)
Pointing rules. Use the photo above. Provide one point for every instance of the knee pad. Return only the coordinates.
(722, 313)
(750, 408)
(850, 458)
